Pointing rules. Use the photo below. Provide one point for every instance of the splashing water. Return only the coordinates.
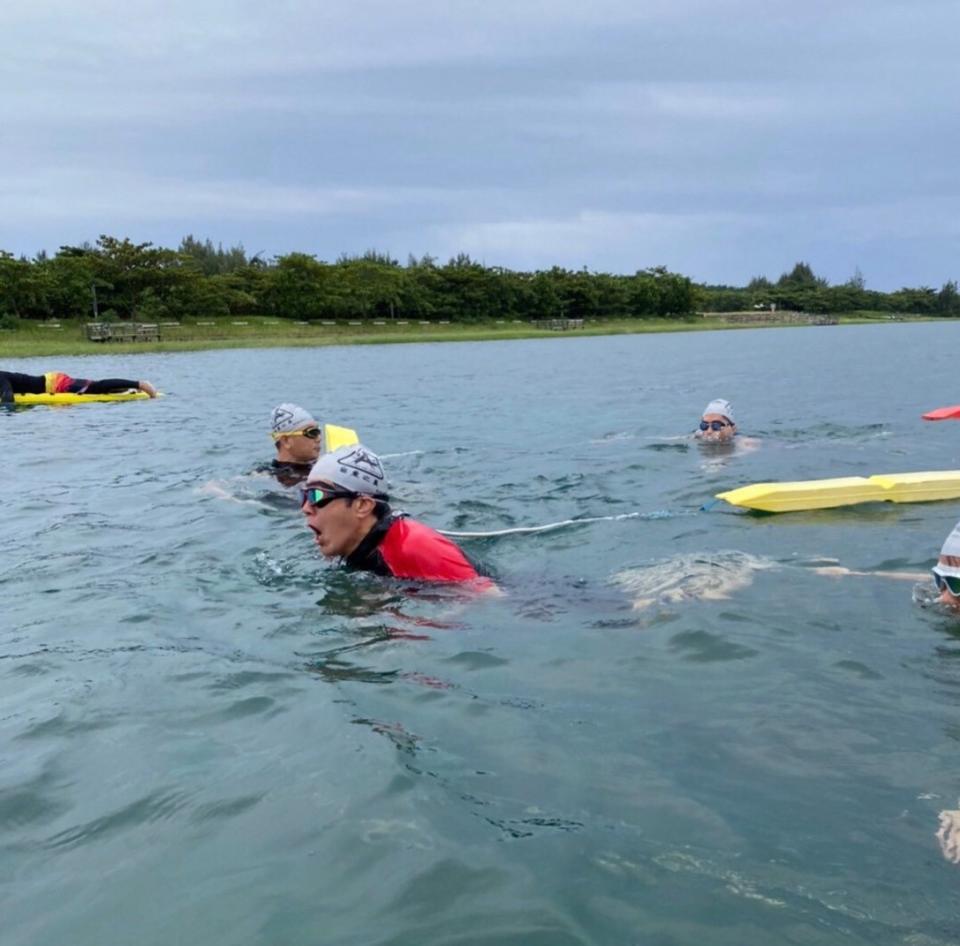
(710, 576)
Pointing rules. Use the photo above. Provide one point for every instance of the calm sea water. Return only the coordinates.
(670, 730)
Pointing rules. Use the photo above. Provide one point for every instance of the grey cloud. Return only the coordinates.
(723, 139)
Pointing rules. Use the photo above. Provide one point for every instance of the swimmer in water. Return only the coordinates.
(298, 440)
(946, 573)
(718, 428)
(347, 508)
(707, 576)
(717, 424)
(56, 382)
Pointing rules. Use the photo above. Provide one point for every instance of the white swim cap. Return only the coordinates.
(720, 406)
(353, 468)
(289, 417)
(949, 561)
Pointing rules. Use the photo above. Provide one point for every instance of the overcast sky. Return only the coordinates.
(721, 138)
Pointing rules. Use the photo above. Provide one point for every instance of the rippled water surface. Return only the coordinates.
(669, 730)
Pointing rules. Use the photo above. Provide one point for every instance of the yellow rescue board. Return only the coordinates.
(79, 398)
(335, 437)
(847, 491)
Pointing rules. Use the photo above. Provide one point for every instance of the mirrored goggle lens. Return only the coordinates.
(949, 582)
(319, 497)
(712, 425)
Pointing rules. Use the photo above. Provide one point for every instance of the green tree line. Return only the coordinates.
(118, 279)
(125, 280)
(801, 290)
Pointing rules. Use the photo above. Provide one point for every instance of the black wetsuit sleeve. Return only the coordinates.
(110, 386)
(12, 382)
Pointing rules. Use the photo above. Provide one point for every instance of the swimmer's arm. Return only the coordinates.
(219, 491)
(838, 571)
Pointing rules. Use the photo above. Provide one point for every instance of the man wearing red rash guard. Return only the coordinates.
(346, 506)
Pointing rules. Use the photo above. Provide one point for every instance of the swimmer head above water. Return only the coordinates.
(717, 424)
(946, 573)
(296, 434)
(344, 499)
(346, 506)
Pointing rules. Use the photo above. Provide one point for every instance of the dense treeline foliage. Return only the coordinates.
(118, 279)
(801, 290)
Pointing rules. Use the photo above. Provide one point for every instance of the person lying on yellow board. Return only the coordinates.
(56, 382)
(300, 440)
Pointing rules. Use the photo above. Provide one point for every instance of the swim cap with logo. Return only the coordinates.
(353, 468)
(720, 406)
(287, 418)
(949, 561)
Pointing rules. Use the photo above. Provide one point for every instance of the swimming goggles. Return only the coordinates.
(311, 433)
(714, 424)
(949, 583)
(320, 496)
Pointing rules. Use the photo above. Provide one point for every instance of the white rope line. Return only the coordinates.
(550, 526)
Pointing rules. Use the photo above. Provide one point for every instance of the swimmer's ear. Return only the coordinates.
(364, 504)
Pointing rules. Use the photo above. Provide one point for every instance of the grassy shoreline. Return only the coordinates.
(41, 339)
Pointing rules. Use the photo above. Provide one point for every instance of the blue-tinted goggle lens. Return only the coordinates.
(713, 424)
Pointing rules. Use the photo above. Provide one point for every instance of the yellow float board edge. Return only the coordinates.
(920, 487)
(804, 494)
(846, 491)
(335, 437)
(53, 399)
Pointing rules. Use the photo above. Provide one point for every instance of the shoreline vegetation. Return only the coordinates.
(200, 296)
(68, 337)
